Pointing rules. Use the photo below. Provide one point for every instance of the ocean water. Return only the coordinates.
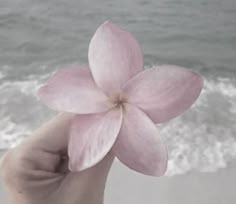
(38, 37)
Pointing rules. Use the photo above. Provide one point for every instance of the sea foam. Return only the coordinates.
(202, 139)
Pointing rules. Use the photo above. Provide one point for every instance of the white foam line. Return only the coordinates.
(198, 140)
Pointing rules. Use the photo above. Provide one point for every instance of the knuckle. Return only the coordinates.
(12, 163)
(12, 169)
(5, 166)
(4, 162)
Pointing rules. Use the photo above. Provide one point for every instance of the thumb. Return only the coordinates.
(95, 175)
(53, 137)
(88, 186)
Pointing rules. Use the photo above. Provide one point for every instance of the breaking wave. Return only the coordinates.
(202, 139)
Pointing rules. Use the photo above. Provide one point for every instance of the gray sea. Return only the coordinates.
(38, 37)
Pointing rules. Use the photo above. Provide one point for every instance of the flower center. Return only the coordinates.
(118, 99)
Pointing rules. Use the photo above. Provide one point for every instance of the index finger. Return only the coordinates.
(53, 136)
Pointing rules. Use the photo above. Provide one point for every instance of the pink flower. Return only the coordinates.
(117, 103)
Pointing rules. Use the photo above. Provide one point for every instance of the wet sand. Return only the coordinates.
(127, 187)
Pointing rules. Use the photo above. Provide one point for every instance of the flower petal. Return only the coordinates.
(92, 137)
(114, 57)
(138, 145)
(163, 92)
(74, 90)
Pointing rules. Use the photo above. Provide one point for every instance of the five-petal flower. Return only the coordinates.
(117, 103)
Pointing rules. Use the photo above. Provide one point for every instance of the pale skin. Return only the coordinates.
(36, 171)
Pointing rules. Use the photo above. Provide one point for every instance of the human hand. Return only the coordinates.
(36, 172)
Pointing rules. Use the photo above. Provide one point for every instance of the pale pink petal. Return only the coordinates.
(114, 57)
(163, 92)
(92, 137)
(74, 90)
(139, 146)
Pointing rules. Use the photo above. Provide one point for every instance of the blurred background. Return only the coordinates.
(39, 37)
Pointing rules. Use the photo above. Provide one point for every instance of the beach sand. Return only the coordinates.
(127, 187)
